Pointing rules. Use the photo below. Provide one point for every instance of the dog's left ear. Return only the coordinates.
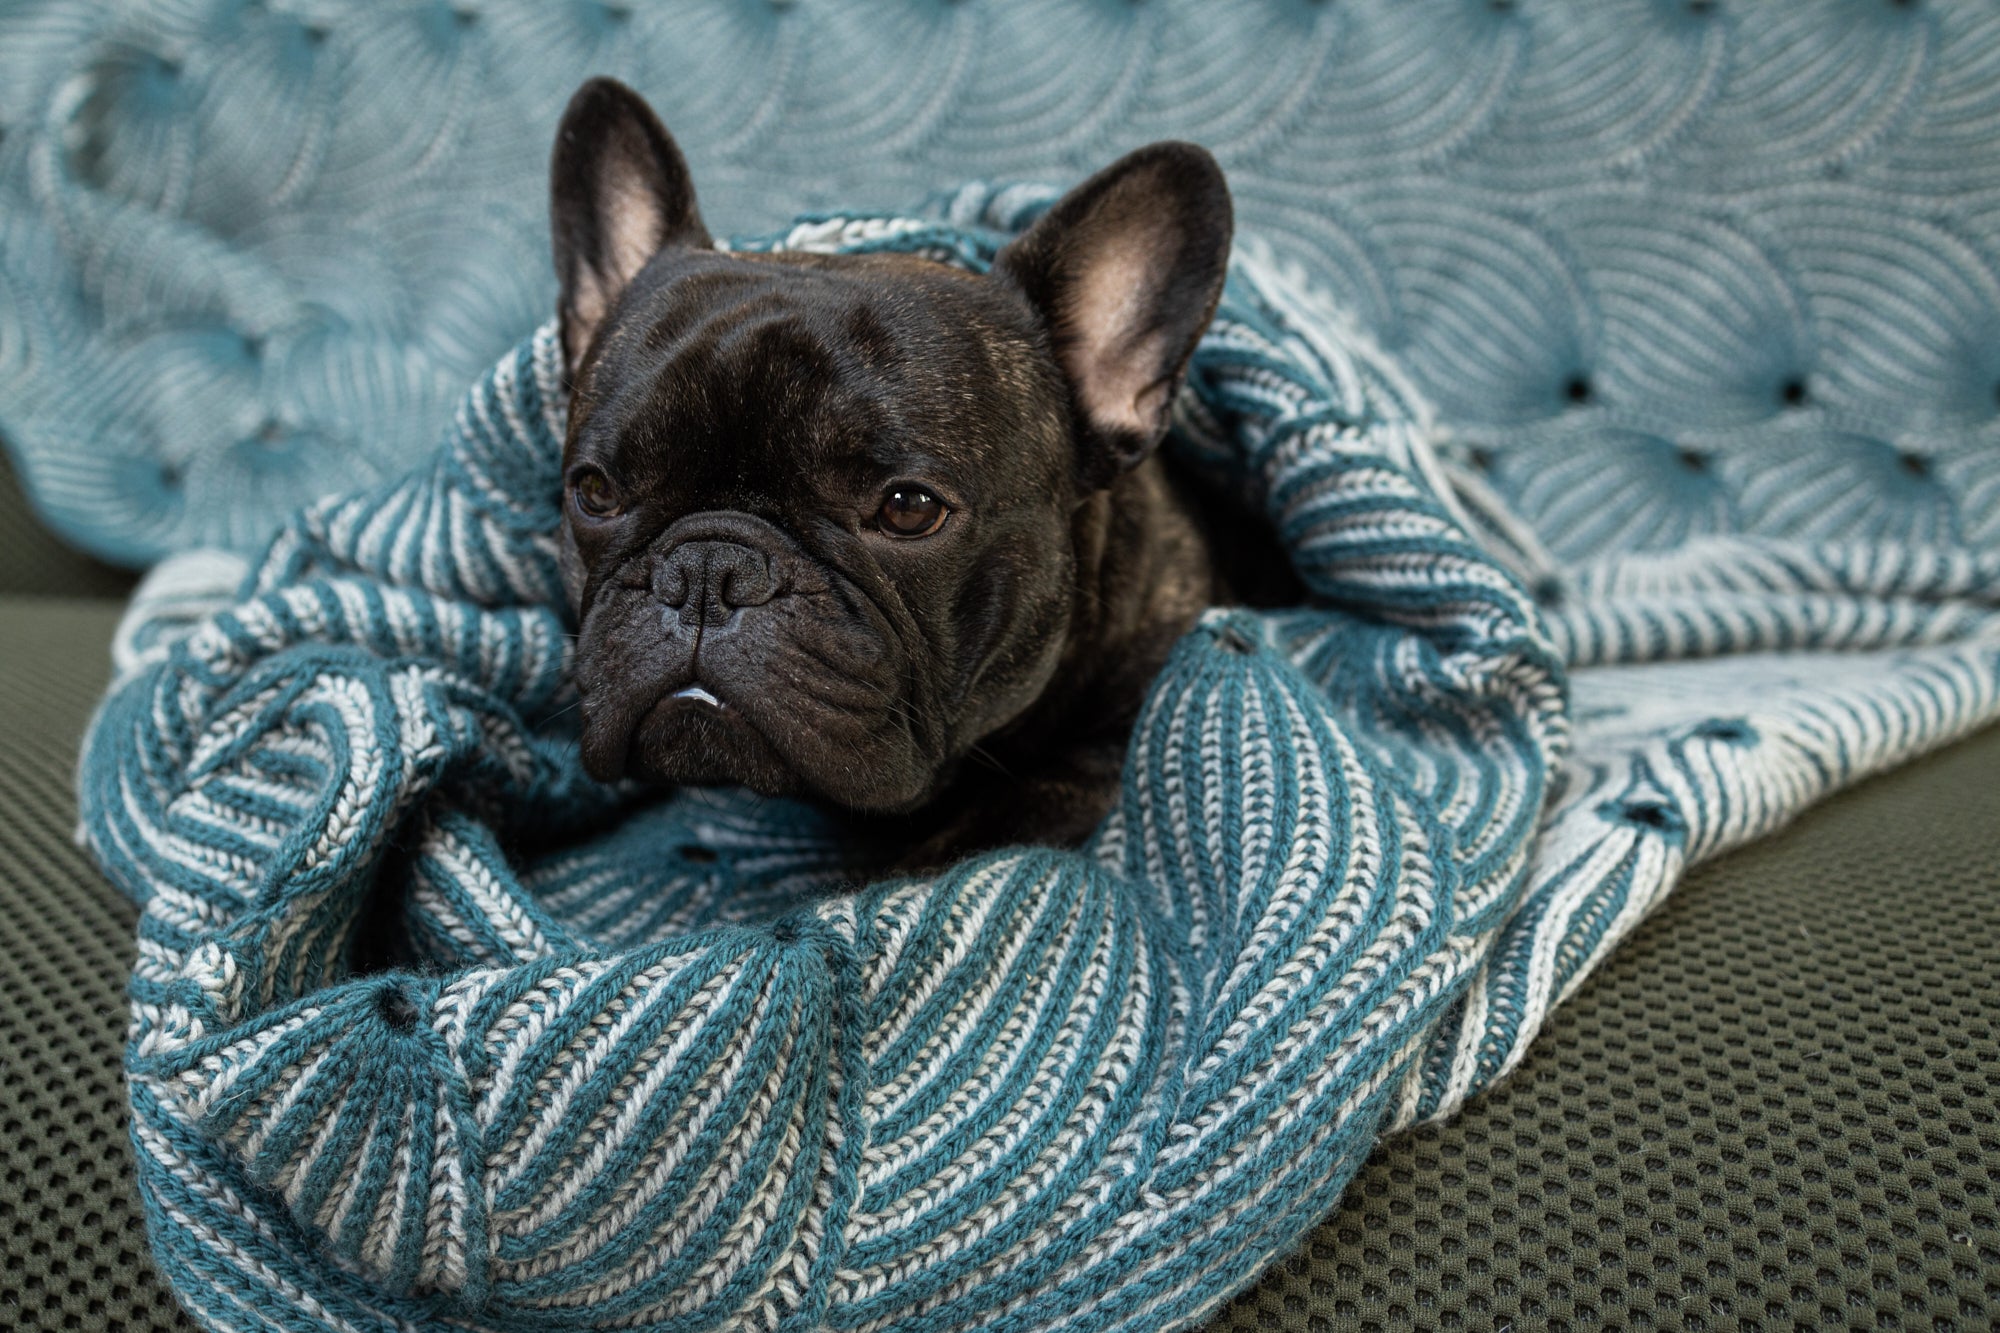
(619, 193)
(1125, 271)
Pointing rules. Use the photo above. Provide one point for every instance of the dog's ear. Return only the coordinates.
(1125, 271)
(619, 193)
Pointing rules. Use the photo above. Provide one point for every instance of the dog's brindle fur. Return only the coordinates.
(736, 423)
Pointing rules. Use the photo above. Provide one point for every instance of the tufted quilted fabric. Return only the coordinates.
(1745, 259)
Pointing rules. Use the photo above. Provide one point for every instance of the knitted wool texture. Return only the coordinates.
(647, 1064)
(252, 251)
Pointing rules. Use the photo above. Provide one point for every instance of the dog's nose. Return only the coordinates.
(708, 581)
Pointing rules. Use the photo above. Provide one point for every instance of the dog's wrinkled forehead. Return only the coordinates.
(731, 374)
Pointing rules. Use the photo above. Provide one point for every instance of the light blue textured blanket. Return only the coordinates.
(1736, 265)
(651, 1067)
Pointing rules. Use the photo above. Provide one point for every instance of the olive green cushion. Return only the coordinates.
(1777, 1107)
(75, 1241)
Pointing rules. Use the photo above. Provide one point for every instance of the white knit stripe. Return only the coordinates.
(516, 1030)
(249, 783)
(1164, 823)
(1214, 1106)
(251, 1129)
(291, 1178)
(443, 1266)
(978, 898)
(202, 1088)
(1302, 884)
(1259, 826)
(601, 874)
(498, 907)
(178, 910)
(972, 1004)
(650, 1176)
(670, 1237)
(1060, 1067)
(343, 825)
(1656, 864)
(1119, 1066)
(427, 901)
(611, 1125)
(224, 872)
(338, 1211)
(274, 1283)
(896, 916)
(395, 1212)
(599, 917)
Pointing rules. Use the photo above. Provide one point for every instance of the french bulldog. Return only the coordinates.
(871, 529)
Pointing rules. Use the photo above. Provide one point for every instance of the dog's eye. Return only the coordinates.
(910, 511)
(595, 495)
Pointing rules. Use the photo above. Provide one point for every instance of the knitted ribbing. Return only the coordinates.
(647, 1063)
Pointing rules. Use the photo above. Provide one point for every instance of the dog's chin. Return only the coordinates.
(692, 738)
(697, 741)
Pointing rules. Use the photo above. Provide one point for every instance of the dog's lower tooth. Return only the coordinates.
(698, 693)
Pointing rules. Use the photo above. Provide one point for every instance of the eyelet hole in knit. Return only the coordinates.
(1578, 389)
(1654, 815)
(1232, 640)
(1733, 730)
(1793, 392)
(698, 854)
(398, 1010)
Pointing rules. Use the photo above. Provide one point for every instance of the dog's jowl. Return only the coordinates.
(869, 529)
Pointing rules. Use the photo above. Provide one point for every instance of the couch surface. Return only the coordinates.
(1777, 1107)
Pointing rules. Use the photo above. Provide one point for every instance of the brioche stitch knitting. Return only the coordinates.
(647, 1063)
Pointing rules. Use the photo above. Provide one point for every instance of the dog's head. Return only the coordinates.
(820, 511)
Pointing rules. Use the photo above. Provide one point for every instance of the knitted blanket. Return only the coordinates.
(430, 1031)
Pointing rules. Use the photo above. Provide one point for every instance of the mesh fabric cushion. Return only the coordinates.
(74, 1238)
(1777, 1108)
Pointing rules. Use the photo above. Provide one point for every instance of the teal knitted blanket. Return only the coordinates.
(641, 1060)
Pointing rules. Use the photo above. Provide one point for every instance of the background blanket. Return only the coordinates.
(651, 1064)
(1744, 259)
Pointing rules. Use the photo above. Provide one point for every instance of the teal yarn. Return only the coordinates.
(644, 1061)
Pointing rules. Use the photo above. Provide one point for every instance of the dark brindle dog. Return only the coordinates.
(871, 529)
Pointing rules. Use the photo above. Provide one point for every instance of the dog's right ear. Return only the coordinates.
(619, 193)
